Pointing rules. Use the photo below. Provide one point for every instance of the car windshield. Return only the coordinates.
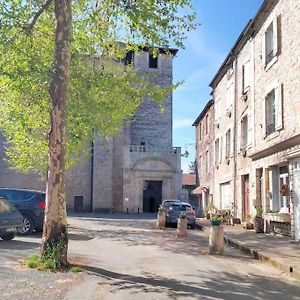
(5, 206)
(182, 207)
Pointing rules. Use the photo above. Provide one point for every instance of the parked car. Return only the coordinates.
(31, 205)
(168, 202)
(173, 210)
(10, 220)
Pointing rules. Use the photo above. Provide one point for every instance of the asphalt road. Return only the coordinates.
(130, 259)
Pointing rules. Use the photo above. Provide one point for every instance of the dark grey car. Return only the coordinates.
(173, 211)
(31, 205)
(10, 220)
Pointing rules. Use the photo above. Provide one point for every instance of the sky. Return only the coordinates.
(222, 21)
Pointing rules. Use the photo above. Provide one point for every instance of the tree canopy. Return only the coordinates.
(101, 95)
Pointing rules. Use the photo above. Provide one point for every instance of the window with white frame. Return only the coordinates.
(218, 109)
(230, 95)
(228, 143)
(244, 132)
(217, 151)
(200, 166)
(270, 41)
(272, 111)
(207, 162)
(246, 75)
(206, 124)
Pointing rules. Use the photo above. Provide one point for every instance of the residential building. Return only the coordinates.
(204, 128)
(134, 170)
(257, 132)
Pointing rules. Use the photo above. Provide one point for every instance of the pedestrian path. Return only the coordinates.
(280, 251)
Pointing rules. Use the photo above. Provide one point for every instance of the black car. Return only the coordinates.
(10, 220)
(31, 205)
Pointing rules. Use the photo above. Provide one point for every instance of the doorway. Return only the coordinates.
(245, 197)
(152, 195)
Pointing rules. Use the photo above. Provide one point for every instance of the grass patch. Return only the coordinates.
(75, 269)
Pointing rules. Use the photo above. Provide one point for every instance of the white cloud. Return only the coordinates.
(182, 123)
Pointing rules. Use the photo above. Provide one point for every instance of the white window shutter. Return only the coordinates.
(250, 130)
(238, 140)
(263, 118)
(231, 142)
(275, 36)
(278, 107)
(263, 48)
(220, 150)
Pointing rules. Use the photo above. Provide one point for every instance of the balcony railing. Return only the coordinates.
(154, 149)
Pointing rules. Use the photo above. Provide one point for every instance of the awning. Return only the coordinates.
(199, 190)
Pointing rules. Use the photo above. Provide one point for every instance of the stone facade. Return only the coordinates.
(204, 125)
(120, 173)
(264, 64)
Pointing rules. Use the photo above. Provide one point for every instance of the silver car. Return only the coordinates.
(174, 209)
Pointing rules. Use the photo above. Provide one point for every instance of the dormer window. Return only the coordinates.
(153, 61)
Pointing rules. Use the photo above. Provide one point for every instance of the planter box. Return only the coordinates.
(279, 217)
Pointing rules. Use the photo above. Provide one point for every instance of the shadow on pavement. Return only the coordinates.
(214, 286)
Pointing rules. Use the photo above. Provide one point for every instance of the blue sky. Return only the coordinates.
(221, 23)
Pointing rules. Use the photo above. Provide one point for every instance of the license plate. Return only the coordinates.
(10, 229)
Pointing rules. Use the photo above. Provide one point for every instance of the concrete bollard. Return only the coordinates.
(161, 219)
(216, 240)
(182, 227)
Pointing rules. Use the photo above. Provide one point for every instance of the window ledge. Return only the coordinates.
(271, 63)
(272, 136)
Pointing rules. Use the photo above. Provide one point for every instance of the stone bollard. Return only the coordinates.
(161, 219)
(182, 227)
(216, 240)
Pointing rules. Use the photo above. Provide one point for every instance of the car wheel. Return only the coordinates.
(27, 227)
(8, 236)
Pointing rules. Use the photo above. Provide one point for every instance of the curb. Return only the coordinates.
(288, 269)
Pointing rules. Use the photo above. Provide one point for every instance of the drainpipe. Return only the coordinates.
(92, 177)
(234, 144)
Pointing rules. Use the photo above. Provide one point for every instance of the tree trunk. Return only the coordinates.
(55, 223)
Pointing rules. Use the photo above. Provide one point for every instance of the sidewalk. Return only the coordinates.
(281, 251)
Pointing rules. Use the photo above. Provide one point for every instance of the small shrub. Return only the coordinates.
(182, 215)
(75, 269)
(32, 261)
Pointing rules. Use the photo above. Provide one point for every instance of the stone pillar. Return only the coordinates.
(161, 219)
(182, 227)
(216, 240)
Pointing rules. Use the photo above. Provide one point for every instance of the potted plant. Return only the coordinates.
(258, 220)
(161, 218)
(284, 190)
(182, 225)
(248, 224)
(215, 221)
(210, 209)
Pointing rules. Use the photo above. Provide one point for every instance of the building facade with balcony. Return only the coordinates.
(132, 171)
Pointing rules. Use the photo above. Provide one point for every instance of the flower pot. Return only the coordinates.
(215, 222)
(258, 225)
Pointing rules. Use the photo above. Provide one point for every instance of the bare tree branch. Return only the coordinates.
(28, 28)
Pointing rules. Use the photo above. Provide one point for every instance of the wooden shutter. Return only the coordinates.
(238, 140)
(231, 142)
(263, 48)
(278, 107)
(275, 36)
(263, 118)
(250, 130)
(220, 150)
